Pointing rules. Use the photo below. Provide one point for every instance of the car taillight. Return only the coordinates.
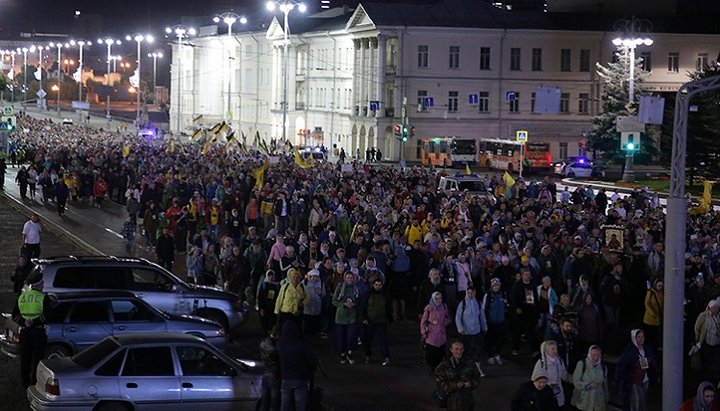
(52, 386)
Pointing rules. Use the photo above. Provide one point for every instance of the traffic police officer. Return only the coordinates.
(30, 312)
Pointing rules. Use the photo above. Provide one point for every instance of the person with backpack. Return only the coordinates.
(590, 381)
(495, 305)
(471, 325)
(553, 366)
(291, 299)
(434, 319)
(346, 300)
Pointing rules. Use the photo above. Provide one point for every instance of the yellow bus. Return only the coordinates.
(498, 154)
(448, 151)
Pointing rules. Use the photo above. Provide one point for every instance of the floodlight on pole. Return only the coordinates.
(181, 32)
(139, 38)
(285, 6)
(633, 35)
(155, 56)
(109, 42)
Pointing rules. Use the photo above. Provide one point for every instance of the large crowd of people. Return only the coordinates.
(342, 252)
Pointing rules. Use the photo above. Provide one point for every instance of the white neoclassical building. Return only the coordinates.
(349, 72)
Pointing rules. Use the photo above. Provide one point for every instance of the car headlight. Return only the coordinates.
(248, 363)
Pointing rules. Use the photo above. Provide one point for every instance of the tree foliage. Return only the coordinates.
(604, 137)
(703, 133)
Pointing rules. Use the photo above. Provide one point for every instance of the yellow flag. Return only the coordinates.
(223, 128)
(216, 127)
(299, 160)
(509, 181)
(707, 196)
(198, 120)
(196, 134)
(126, 150)
(171, 147)
(259, 174)
(230, 137)
(205, 148)
(467, 169)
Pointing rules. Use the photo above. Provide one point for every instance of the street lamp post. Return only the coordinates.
(629, 41)
(41, 100)
(12, 65)
(139, 38)
(229, 18)
(180, 32)
(109, 43)
(81, 44)
(24, 52)
(285, 6)
(59, 74)
(155, 56)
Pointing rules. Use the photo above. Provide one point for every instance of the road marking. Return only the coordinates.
(113, 232)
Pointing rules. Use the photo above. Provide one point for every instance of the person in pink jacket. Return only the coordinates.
(432, 327)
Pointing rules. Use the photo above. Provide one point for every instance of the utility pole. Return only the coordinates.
(403, 127)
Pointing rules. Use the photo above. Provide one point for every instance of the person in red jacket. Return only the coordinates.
(99, 189)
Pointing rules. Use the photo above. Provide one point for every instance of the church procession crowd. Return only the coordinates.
(343, 252)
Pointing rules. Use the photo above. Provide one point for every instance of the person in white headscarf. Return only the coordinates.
(554, 367)
(636, 368)
(590, 381)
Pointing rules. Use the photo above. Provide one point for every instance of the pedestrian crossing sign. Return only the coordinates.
(521, 136)
(7, 111)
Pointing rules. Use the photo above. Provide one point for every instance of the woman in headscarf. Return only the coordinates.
(704, 400)
(552, 365)
(636, 367)
(590, 380)
(432, 327)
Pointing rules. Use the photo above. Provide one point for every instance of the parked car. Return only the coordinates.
(559, 167)
(578, 170)
(68, 121)
(147, 372)
(79, 320)
(150, 282)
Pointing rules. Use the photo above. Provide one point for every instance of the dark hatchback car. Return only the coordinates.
(79, 320)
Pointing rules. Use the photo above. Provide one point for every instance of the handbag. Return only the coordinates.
(696, 362)
(440, 397)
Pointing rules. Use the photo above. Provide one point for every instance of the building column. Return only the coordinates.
(370, 73)
(381, 43)
(356, 69)
(362, 76)
(275, 76)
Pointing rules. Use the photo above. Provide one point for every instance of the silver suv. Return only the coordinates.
(147, 280)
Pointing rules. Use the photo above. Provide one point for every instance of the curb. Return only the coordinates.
(577, 183)
(49, 225)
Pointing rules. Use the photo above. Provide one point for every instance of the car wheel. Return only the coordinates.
(571, 174)
(57, 351)
(216, 316)
(113, 406)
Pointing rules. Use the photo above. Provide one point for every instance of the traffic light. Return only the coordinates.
(412, 131)
(397, 130)
(630, 141)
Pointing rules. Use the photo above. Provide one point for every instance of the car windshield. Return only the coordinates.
(87, 358)
(471, 185)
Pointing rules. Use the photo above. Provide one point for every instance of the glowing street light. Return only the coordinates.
(59, 66)
(81, 44)
(230, 18)
(155, 56)
(139, 38)
(181, 32)
(109, 43)
(285, 6)
(24, 51)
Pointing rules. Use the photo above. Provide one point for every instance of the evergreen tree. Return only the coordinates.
(703, 133)
(604, 137)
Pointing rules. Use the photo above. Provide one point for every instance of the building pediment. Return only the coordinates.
(360, 20)
(275, 31)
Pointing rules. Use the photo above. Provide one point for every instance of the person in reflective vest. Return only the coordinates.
(30, 312)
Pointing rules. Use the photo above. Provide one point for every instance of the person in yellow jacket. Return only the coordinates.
(291, 299)
(414, 232)
(30, 312)
(654, 312)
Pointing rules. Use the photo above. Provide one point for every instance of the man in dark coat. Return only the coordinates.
(270, 399)
(297, 365)
(458, 377)
(535, 395)
(165, 249)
